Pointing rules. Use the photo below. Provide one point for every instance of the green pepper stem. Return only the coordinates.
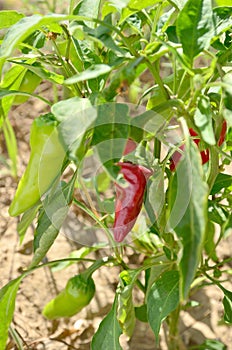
(96, 265)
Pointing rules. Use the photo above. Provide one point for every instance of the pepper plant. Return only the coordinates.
(146, 89)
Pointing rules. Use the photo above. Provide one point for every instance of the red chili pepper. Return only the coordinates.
(129, 199)
(130, 146)
(177, 155)
(223, 133)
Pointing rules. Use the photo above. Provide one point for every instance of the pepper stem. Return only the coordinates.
(98, 263)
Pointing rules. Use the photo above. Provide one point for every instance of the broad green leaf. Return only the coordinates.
(111, 131)
(223, 2)
(52, 215)
(141, 313)
(90, 73)
(203, 120)
(108, 333)
(134, 6)
(26, 221)
(8, 18)
(25, 27)
(76, 116)
(222, 181)
(195, 27)
(126, 311)
(42, 72)
(163, 298)
(188, 209)
(88, 8)
(7, 305)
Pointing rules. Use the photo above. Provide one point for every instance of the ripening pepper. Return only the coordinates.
(204, 154)
(129, 198)
(44, 166)
(72, 299)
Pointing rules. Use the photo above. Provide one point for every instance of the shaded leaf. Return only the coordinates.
(108, 333)
(163, 298)
(222, 181)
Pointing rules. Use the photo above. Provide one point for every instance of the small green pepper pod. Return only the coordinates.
(44, 166)
(77, 294)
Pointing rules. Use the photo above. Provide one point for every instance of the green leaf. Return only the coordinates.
(42, 72)
(25, 27)
(163, 298)
(11, 144)
(108, 333)
(179, 3)
(227, 99)
(141, 313)
(195, 27)
(8, 18)
(203, 120)
(76, 116)
(209, 244)
(188, 209)
(222, 181)
(26, 221)
(126, 311)
(134, 6)
(222, 18)
(7, 305)
(88, 8)
(210, 344)
(111, 131)
(227, 303)
(90, 73)
(54, 212)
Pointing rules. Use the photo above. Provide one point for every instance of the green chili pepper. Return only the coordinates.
(77, 294)
(45, 164)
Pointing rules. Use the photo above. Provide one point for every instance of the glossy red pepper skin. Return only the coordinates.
(129, 199)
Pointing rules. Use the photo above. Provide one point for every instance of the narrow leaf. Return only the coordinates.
(203, 120)
(227, 303)
(90, 73)
(188, 208)
(26, 221)
(108, 333)
(7, 305)
(163, 298)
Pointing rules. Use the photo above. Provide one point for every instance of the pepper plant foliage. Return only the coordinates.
(148, 72)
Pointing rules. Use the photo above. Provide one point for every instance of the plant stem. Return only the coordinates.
(174, 340)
